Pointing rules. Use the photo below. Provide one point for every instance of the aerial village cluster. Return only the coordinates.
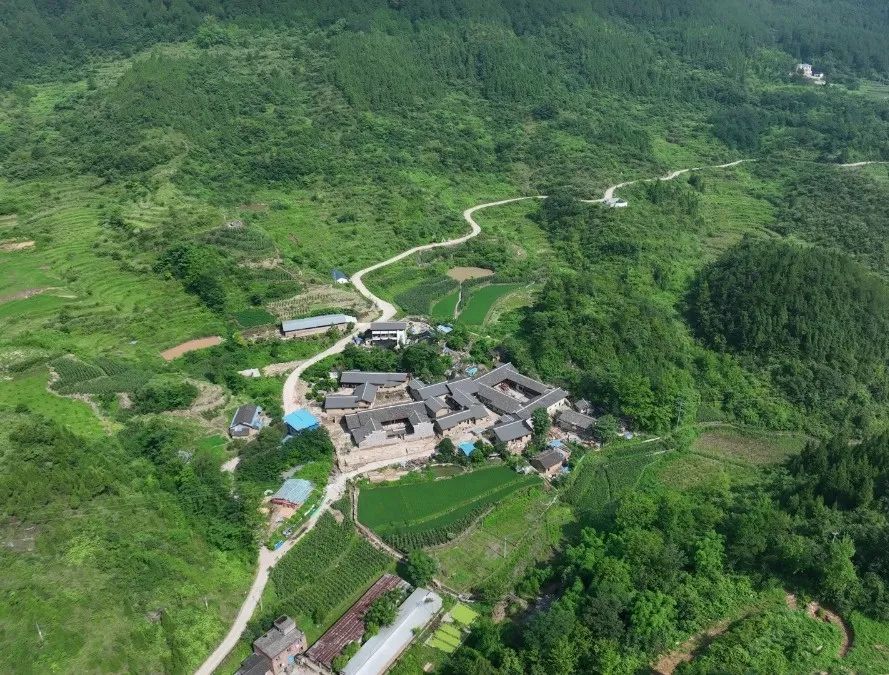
(386, 416)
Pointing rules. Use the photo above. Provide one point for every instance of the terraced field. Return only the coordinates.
(107, 299)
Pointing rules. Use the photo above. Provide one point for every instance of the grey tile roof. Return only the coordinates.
(463, 399)
(366, 392)
(356, 377)
(364, 422)
(255, 664)
(450, 421)
(340, 402)
(277, 640)
(498, 399)
(576, 419)
(245, 415)
(547, 459)
(323, 321)
(507, 372)
(544, 401)
(434, 405)
(512, 431)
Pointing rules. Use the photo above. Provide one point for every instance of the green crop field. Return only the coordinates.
(481, 300)
(425, 512)
(523, 529)
(443, 310)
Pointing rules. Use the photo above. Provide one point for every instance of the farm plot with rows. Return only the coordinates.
(320, 578)
(416, 514)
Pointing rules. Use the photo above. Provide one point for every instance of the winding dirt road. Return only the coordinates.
(293, 398)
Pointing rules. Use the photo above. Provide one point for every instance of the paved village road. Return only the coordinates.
(293, 398)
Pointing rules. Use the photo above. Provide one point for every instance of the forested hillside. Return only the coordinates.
(197, 168)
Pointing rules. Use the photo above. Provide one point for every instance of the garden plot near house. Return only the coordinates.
(416, 513)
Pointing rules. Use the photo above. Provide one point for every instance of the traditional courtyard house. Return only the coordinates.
(275, 652)
(403, 422)
(388, 333)
(299, 421)
(316, 325)
(364, 392)
(292, 493)
(247, 420)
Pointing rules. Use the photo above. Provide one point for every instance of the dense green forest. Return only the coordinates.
(192, 168)
(815, 319)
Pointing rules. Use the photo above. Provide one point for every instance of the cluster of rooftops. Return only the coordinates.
(504, 393)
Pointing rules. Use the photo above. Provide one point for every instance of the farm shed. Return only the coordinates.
(292, 493)
(382, 650)
(315, 325)
(300, 420)
(339, 276)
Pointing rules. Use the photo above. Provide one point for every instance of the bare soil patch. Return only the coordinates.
(467, 273)
(190, 346)
(10, 246)
(22, 295)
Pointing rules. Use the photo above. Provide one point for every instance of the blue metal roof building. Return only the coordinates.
(466, 447)
(300, 420)
(293, 492)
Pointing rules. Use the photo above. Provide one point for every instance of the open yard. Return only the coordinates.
(425, 512)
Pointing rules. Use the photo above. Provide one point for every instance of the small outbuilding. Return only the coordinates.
(300, 420)
(466, 447)
(339, 276)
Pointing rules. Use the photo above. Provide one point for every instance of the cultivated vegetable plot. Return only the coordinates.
(429, 512)
(330, 565)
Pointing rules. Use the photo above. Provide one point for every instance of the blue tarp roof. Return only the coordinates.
(466, 447)
(555, 443)
(295, 490)
(338, 274)
(300, 420)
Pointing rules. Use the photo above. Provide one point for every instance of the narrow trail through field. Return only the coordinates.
(293, 398)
